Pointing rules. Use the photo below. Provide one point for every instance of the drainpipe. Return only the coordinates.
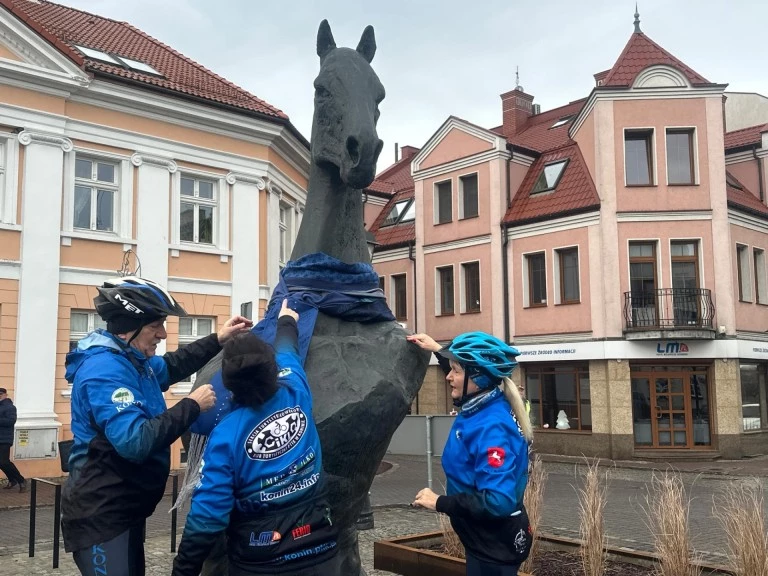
(412, 258)
(504, 258)
(759, 172)
(429, 451)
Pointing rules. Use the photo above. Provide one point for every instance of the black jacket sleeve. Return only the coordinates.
(193, 550)
(7, 414)
(467, 504)
(186, 361)
(287, 336)
(159, 432)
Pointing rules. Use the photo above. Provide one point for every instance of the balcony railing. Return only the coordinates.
(669, 308)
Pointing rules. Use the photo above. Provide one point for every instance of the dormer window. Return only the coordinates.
(401, 212)
(562, 121)
(549, 177)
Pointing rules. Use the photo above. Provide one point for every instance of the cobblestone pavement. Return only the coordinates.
(625, 518)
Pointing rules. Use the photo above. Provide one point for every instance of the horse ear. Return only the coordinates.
(367, 45)
(325, 41)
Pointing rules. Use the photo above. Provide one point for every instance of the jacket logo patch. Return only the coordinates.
(265, 539)
(496, 457)
(301, 531)
(276, 435)
(284, 372)
(122, 396)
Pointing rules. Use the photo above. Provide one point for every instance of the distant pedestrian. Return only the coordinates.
(7, 422)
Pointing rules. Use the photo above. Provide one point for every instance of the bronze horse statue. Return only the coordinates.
(363, 376)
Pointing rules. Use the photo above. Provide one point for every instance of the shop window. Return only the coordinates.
(754, 397)
(557, 388)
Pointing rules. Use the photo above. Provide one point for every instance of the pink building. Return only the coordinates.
(618, 241)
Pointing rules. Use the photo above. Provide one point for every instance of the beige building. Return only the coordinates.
(119, 153)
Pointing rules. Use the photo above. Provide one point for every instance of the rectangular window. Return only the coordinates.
(192, 328)
(761, 290)
(550, 177)
(471, 283)
(81, 323)
(469, 202)
(742, 267)
(445, 282)
(754, 396)
(198, 209)
(537, 279)
(638, 157)
(559, 396)
(686, 302)
(680, 168)
(568, 266)
(443, 202)
(381, 283)
(642, 284)
(400, 293)
(96, 188)
(286, 237)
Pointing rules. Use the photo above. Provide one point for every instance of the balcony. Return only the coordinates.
(669, 313)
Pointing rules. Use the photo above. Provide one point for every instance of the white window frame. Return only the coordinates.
(221, 192)
(436, 204)
(184, 387)
(476, 174)
(463, 287)
(286, 230)
(556, 255)
(439, 291)
(526, 279)
(94, 186)
(654, 158)
(694, 151)
(746, 275)
(759, 264)
(9, 188)
(122, 203)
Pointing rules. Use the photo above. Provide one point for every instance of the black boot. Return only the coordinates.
(9, 486)
(23, 486)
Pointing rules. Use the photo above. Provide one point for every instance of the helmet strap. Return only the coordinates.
(464, 397)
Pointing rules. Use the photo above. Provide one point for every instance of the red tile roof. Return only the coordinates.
(537, 133)
(399, 234)
(745, 136)
(65, 27)
(574, 193)
(744, 199)
(640, 53)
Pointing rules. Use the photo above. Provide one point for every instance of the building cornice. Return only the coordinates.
(664, 216)
(554, 225)
(459, 164)
(460, 243)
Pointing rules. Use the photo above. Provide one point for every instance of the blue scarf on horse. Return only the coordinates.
(314, 283)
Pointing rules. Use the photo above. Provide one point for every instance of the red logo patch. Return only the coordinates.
(496, 457)
(301, 531)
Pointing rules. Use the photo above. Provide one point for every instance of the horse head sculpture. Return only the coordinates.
(363, 377)
(345, 149)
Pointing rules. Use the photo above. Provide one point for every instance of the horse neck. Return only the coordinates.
(333, 219)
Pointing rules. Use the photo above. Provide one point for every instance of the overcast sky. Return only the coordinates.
(442, 57)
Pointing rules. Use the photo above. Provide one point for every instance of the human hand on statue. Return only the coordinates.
(285, 311)
(424, 341)
(204, 396)
(232, 327)
(426, 499)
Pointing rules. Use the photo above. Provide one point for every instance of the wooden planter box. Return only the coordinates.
(410, 556)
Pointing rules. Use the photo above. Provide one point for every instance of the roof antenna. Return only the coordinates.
(517, 79)
(637, 21)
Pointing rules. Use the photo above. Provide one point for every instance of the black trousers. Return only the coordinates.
(121, 556)
(476, 567)
(8, 467)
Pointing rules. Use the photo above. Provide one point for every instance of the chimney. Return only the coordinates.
(516, 108)
(409, 151)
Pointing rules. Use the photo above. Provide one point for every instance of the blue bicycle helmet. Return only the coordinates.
(485, 358)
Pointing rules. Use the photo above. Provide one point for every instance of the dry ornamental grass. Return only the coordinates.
(740, 511)
(534, 505)
(592, 499)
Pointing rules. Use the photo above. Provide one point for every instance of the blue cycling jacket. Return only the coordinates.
(486, 467)
(120, 459)
(257, 463)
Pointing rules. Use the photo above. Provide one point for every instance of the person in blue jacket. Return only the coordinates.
(486, 455)
(120, 458)
(262, 477)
